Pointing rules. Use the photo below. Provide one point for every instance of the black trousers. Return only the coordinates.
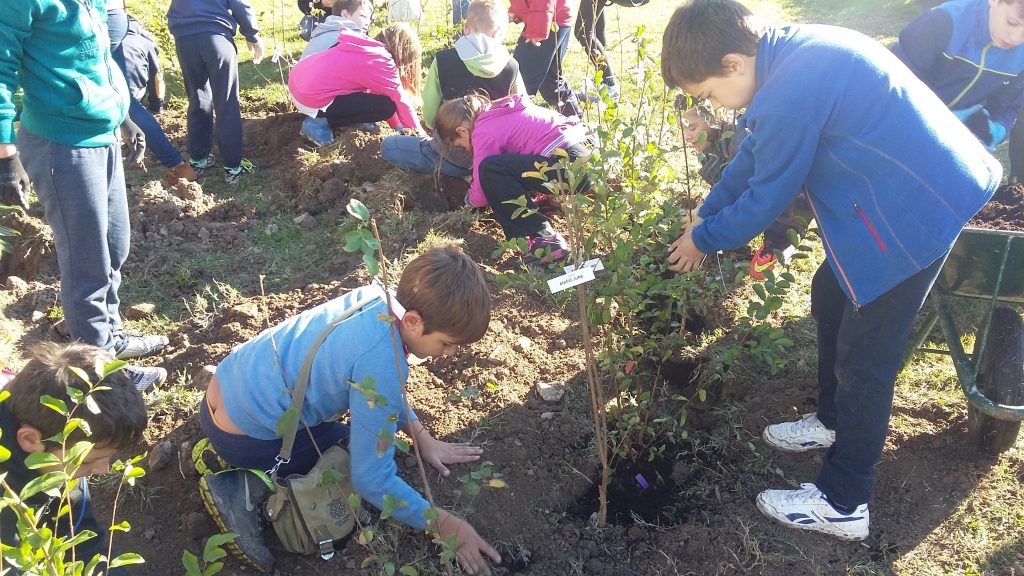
(358, 108)
(590, 34)
(501, 178)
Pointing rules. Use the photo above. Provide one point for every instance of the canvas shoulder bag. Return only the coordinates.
(310, 512)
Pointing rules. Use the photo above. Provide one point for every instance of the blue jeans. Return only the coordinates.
(541, 69)
(419, 155)
(209, 68)
(84, 199)
(156, 140)
(247, 452)
(860, 352)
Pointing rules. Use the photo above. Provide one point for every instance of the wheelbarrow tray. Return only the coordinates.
(983, 260)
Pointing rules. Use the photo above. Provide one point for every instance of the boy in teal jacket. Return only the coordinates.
(891, 178)
(58, 51)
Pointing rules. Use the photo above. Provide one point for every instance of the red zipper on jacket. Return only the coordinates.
(864, 217)
(828, 247)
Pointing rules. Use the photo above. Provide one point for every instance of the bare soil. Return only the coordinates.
(696, 514)
(1005, 211)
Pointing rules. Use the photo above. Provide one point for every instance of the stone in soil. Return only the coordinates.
(551, 391)
(140, 311)
(161, 455)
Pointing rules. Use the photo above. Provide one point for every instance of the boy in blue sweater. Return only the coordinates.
(442, 302)
(971, 54)
(26, 426)
(58, 52)
(204, 38)
(891, 179)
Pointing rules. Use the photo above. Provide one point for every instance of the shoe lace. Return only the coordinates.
(806, 492)
(808, 423)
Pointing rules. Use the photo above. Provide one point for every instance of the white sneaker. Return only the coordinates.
(807, 433)
(807, 509)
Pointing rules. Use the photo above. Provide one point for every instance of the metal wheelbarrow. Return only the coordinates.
(984, 265)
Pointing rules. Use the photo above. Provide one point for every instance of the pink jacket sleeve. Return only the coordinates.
(536, 15)
(483, 147)
(384, 80)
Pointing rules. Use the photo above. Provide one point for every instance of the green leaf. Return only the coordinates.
(115, 366)
(358, 210)
(127, 559)
(191, 563)
(5, 454)
(354, 501)
(408, 570)
(91, 405)
(55, 404)
(389, 506)
(122, 526)
(471, 488)
(365, 536)
(77, 454)
(702, 395)
(372, 266)
(792, 236)
(761, 293)
(37, 460)
(353, 241)
(47, 483)
(389, 568)
(213, 568)
(496, 483)
(75, 394)
(288, 420)
(213, 550)
(401, 445)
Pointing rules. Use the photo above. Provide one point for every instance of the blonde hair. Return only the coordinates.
(455, 113)
(401, 41)
(487, 17)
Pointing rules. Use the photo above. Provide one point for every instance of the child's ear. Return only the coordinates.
(30, 439)
(733, 64)
(413, 322)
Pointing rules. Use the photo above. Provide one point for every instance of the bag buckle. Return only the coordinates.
(326, 549)
(278, 461)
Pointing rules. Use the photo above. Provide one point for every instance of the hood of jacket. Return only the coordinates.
(483, 55)
(332, 25)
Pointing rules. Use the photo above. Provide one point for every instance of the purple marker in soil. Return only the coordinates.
(641, 481)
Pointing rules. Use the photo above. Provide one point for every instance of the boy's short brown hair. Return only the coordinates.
(122, 412)
(488, 18)
(700, 33)
(449, 291)
(350, 6)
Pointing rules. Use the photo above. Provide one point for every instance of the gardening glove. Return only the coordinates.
(761, 263)
(136, 140)
(998, 133)
(14, 182)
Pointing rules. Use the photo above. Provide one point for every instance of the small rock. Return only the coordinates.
(246, 311)
(149, 534)
(201, 378)
(270, 229)
(496, 355)
(140, 311)
(524, 344)
(38, 316)
(204, 233)
(229, 331)
(15, 283)
(558, 344)
(547, 415)
(161, 455)
(551, 391)
(185, 462)
(636, 533)
(298, 282)
(196, 524)
(306, 221)
(369, 187)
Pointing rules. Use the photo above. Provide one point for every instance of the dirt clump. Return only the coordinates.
(1005, 211)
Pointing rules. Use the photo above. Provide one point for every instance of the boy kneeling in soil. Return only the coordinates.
(26, 425)
(890, 176)
(441, 303)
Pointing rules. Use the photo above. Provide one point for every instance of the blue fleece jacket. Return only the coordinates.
(58, 51)
(256, 396)
(190, 17)
(950, 49)
(890, 174)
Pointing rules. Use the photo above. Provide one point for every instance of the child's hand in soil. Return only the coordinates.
(684, 255)
(470, 546)
(438, 453)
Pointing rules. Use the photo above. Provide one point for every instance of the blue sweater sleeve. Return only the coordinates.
(15, 26)
(374, 472)
(243, 13)
(752, 195)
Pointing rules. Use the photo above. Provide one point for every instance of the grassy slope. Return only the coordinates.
(981, 535)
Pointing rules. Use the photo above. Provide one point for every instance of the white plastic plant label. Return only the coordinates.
(594, 263)
(277, 54)
(571, 279)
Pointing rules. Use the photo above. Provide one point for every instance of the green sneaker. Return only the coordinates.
(203, 164)
(234, 498)
(231, 175)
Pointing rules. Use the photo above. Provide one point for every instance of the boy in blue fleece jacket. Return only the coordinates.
(58, 52)
(204, 39)
(442, 302)
(891, 179)
(971, 54)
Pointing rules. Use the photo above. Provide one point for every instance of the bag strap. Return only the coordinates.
(299, 393)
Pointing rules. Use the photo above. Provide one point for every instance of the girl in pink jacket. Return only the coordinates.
(507, 137)
(361, 80)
